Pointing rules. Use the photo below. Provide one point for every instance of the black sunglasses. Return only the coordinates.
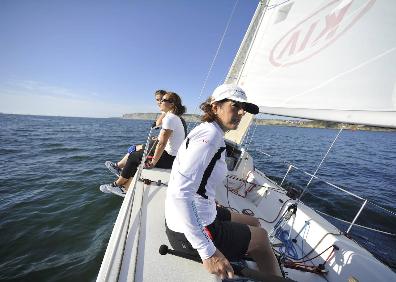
(166, 100)
(237, 104)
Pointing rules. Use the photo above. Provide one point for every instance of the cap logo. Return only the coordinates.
(240, 93)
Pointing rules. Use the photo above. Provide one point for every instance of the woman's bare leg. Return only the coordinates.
(125, 182)
(121, 181)
(259, 247)
(123, 161)
(261, 252)
(245, 219)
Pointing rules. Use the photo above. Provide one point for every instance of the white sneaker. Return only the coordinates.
(113, 167)
(113, 188)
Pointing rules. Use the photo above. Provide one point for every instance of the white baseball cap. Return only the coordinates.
(234, 93)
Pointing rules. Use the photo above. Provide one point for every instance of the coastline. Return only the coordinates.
(276, 122)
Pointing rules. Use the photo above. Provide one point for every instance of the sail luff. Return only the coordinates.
(237, 136)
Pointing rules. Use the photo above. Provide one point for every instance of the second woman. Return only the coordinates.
(169, 140)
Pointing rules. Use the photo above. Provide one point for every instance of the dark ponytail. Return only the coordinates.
(177, 108)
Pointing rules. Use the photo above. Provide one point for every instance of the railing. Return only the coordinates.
(291, 167)
(112, 260)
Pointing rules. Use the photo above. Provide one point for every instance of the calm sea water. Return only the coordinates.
(55, 223)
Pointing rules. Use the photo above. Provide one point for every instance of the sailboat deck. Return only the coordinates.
(141, 260)
(133, 251)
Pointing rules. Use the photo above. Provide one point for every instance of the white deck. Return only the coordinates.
(146, 234)
(132, 253)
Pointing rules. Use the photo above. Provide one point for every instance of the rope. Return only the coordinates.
(215, 56)
(249, 211)
(304, 258)
(287, 246)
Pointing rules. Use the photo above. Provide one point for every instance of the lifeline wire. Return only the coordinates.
(339, 188)
(309, 182)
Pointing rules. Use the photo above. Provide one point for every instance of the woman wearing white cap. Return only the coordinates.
(194, 224)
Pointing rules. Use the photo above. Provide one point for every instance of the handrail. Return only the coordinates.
(361, 226)
(111, 263)
(365, 201)
(112, 260)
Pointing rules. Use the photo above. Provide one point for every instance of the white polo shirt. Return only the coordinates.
(198, 170)
(173, 122)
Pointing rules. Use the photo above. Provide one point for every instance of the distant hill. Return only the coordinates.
(277, 122)
(153, 116)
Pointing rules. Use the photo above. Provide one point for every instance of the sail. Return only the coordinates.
(327, 60)
(237, 136)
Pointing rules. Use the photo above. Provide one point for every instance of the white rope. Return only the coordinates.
(215, 57)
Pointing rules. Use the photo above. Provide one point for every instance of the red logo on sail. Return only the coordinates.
(317, 32)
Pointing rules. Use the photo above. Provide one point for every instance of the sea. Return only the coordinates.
(55, 223)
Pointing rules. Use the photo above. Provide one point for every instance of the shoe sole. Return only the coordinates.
(104, 189)
(111, 169)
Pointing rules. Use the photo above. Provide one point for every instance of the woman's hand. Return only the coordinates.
(219, 265)
(150, 162)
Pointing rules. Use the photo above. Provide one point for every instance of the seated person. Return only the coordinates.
(194, 225)
(169, 140)
(116, 167)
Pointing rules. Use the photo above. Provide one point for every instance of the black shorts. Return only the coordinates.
(231, 238)
(135, 158)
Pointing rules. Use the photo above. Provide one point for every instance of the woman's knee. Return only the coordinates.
(259, 239)
(245, 219)
(139, 147)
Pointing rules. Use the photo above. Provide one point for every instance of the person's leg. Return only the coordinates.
(224, 214)
(260, 251)
(122, 162)
(235, 239)
(139, 147)
(130, 168)
(245, 219)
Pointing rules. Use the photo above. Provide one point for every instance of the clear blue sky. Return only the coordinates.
(104, 58)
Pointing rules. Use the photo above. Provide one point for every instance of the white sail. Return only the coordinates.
(327, 60)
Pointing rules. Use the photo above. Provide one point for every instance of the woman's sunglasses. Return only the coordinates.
(166, 100)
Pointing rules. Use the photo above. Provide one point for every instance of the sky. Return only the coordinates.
(97, 58)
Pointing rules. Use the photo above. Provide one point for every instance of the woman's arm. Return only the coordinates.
(186, 178)
(158, 122)
(159, 149)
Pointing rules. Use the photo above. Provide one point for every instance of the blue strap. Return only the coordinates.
(132, 149)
